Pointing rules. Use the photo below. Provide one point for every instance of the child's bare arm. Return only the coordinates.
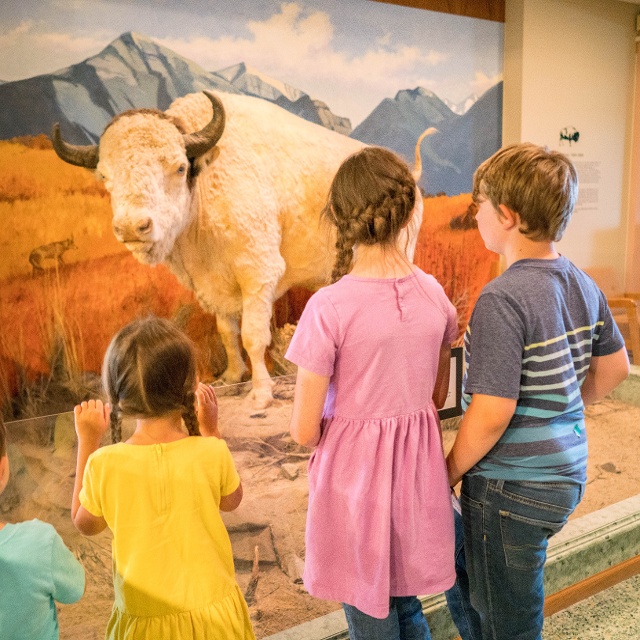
(207, 411)
(208, 423)
(604, 375)
(483, 424)
(232, 501)
(441, 388)
(92, 421)
(308, 403)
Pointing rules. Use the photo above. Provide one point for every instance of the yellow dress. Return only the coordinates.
(173, 568)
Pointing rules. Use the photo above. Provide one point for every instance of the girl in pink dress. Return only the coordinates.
(373, 353)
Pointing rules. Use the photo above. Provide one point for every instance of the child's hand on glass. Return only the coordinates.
(207, 410)
(92, 420)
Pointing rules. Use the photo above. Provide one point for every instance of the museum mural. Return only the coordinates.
(107, 226)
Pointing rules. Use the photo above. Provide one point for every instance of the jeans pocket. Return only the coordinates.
(524, 540)
(469, 503)
(559, 498)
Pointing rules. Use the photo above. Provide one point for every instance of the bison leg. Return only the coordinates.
(256, 337)
(228, 330)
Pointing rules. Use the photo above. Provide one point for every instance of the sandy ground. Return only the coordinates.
(272, 515)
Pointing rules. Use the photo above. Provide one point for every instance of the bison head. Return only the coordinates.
(146, 163)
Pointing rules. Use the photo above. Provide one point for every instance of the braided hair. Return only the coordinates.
(371, 199)
(149, 370)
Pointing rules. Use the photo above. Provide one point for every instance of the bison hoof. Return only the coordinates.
(233, 376)
(261, 398)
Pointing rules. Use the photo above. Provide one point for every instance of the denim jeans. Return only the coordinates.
(404, 622)
(465, 617)
(507, 525)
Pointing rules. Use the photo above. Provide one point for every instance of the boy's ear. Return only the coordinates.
(509, 217)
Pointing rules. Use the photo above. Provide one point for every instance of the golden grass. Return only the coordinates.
(457, 258)
(43, 200)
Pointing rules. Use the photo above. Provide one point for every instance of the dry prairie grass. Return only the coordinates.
(43, 200)
(58, 325)
(457, 258)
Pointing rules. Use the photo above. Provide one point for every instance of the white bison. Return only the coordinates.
(233, 209)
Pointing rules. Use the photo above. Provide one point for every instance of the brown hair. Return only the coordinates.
(3, 438)
(371, 199)
(150, 369)
(540, 185)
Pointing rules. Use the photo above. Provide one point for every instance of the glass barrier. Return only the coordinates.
(268, 525)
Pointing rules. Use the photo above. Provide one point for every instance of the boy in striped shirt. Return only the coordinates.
(541, 345)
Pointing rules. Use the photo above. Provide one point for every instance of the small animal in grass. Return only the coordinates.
(52, 251)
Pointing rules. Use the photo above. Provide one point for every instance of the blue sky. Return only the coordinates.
(349, 53)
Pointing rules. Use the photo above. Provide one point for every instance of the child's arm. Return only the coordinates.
(441, 388)
(92, 422)
(483, 423)
(67, 573)
(207, 411)
(604, 375)
(208, 423)
(232, 501)
(308, 403)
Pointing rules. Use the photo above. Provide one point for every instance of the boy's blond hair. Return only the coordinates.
(540, 185)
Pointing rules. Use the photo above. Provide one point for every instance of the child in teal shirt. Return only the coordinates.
(36, 571)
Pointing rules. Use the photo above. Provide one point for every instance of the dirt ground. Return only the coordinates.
(272, 515)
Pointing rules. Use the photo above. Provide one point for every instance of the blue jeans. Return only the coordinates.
(466, 618)
(506, 526)
(404, 622)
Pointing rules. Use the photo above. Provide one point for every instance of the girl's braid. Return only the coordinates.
(189, 414)
(392, 213)
(344, 255)
(116, 424)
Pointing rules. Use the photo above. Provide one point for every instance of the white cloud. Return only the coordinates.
(294, 46)
(482, 82)
(30, 49)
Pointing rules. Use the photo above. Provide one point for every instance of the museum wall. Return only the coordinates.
(570, 66)
(633, 254)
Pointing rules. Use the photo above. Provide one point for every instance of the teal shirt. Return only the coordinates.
(36, 570)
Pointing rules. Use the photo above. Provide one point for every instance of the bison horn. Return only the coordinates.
(81, 156)
(201, 141)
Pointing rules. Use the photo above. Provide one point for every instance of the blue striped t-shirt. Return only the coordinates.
(531, 337)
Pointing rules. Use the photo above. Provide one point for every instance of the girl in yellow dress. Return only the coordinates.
(161, 491)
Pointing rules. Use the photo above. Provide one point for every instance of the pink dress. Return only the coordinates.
(380, 521)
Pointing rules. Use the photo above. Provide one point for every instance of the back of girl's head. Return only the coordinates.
(149, 370)
(538, 184)
(371, 199)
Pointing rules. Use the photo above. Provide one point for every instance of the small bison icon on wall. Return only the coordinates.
(569, 134)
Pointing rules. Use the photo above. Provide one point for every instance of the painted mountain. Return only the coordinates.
(461, 107)
(130, 73)
(450, 156)
(254, 83)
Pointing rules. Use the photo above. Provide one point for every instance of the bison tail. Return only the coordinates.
(417, 171)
